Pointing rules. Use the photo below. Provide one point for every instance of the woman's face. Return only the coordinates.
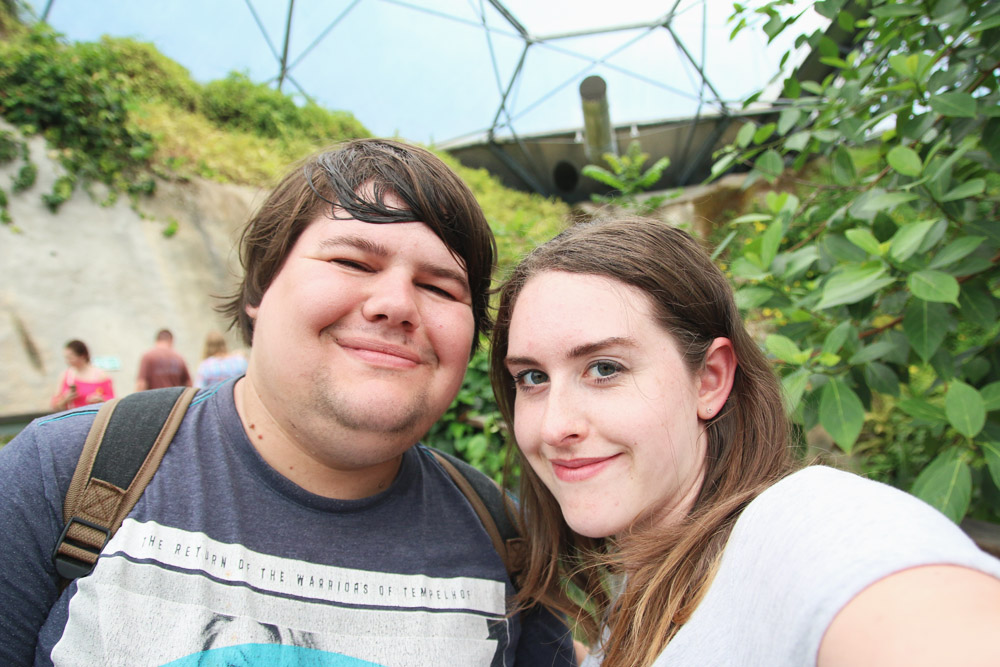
(606, 411)
(73, 359)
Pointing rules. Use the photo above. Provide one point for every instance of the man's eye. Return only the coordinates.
(439, 291)
(350, 264)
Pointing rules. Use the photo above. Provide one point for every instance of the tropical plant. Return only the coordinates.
(629, 180)
(876, 271)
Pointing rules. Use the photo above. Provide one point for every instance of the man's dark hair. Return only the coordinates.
(354, 179)
(164, 334)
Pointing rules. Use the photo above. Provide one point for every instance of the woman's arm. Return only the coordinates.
(930, 615)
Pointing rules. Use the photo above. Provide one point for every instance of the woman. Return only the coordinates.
(649, 417)
(218, 364)
(82, 383)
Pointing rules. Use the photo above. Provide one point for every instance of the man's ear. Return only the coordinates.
(715, 380)
(251, 311)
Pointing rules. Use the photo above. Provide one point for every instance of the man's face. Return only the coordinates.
(364, 333)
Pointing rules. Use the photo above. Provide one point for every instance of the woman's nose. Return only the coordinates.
(563, 422)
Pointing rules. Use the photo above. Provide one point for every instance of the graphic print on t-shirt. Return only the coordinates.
(160, 595)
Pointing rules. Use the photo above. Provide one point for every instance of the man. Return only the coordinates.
(293, 519)
(162, 366)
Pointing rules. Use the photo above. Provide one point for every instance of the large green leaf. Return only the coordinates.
(884, 201)
(784, 349)
(991, 396)
(769, 164)
(837, 337)
(954, 104)
(956, 250)
(946, 483)
(978, 305)
(905, 160)
(794, 386)
(795, 263)
(933, 286)
(843, 171)
(770, 242)
(965, 409)
(925, 325)
(908, 239)
(991, 452)
(923, 410)
(787, 119)
(864, 239)
(871, 352)
(969, 188)
(841, 413)
(748, 298)
(881, 378)
(854, 284)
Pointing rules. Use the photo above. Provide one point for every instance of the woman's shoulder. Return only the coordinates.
(820, 517)
(843, 501)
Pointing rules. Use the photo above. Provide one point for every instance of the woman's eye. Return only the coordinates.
(604, 369)
(530, 378)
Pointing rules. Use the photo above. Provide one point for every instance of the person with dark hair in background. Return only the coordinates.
(658, 475)
(296, 519)
(83, 383)
(162, 366)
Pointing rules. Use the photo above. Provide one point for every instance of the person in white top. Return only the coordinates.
(658, 476)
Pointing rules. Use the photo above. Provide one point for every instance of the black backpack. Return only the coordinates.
(126, 444)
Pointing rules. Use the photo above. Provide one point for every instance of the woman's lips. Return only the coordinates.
(577, 470)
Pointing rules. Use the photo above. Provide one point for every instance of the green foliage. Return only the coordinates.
(81, 107)
(12, 148)
(884, 272)
(237, 102)
(629, 180)
(144, 71)
(472, 427)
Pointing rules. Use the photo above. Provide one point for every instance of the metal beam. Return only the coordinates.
(284, 51)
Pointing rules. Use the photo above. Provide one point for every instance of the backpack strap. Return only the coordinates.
(123, 449)
(493, 506)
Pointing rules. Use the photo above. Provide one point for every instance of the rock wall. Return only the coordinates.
(108, 276)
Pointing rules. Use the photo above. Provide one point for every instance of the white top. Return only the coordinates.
(797, 555)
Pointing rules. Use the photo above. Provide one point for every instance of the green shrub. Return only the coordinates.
(80, 106)
(143, 70)
(239, 103)
(878, 283)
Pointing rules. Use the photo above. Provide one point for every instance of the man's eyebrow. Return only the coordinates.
(371, 247)
(358, 242)
(584, 350)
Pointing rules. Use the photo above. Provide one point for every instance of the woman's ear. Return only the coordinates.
(715, 380)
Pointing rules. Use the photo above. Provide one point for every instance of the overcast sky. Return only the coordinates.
(429, 71)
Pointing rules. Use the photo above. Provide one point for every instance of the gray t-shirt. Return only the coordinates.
(800, 552)
(223, 561)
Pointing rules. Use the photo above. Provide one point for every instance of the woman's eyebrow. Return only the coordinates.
(584, 350)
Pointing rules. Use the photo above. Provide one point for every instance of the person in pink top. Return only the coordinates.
(82, 383)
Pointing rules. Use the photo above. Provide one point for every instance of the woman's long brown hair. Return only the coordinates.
(668, 570)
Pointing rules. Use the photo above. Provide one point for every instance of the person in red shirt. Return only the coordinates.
(162, 366)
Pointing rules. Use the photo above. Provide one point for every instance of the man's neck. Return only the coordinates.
(302, 462)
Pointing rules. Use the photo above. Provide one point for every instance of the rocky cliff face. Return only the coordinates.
(108, 276)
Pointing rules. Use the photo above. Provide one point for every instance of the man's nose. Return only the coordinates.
(392, 300)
